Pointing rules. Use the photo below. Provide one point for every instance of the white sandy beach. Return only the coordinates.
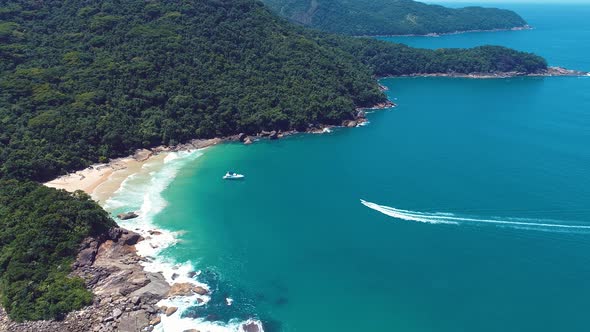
(102, 180)
(88, 179)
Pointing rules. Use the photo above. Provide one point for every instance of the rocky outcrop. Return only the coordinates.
(142, 154)
(127, 215)
(560, 71)
(550, 71)
(248, 140)
(379, 106)
(170, 311)
(349, 123)
(186, 289)
(180, 289)
(124, 294)
(251, 327)
(200, 290)
(273, 135)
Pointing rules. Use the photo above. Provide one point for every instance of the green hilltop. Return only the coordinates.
(392, 17)
(82, 82)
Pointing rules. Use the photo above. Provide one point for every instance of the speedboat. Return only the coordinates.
(232, 176)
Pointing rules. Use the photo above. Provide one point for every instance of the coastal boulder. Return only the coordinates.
(156, 289)
(242, 137)
(128, 215)
(361, 114)
(200, 290)
(180, 289)
(170, 310)
(248, 141)
(273, 135)
(156, 320)
(349, 123)
(265, 133)
(134, 321)
(130, 238)
(251, 327)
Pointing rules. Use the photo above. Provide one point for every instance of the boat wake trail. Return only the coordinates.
(454, 219)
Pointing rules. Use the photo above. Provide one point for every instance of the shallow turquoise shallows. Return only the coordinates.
(477, 212)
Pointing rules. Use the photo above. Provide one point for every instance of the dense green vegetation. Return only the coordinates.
(40, 231)
(86, 81)
(82, 82)
(389, 59)
(392, 17)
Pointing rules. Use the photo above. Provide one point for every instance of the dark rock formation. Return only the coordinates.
(200, 290)
(128, 215)
(349, 123)
(250, 327)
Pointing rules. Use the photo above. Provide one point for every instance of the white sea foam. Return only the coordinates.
(450, 218)
(142, 192)
(405, 215)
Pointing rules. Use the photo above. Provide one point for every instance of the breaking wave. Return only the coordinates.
(142, 192)
(455, 219)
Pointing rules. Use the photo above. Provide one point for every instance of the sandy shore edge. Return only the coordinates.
(103, 179)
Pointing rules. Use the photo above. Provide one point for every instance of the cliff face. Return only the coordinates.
(124, 294)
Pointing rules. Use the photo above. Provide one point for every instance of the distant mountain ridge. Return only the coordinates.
(392, 17)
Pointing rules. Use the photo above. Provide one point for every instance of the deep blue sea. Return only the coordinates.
(476, 213)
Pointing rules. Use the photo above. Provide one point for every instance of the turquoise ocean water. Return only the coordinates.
(477, 215)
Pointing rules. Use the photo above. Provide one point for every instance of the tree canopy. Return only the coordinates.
(40, 231)
(392, 17)
(86, 81)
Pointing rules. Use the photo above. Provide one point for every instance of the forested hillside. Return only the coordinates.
(40, 232)
(389, 59)
(392, 17)
(84, 81)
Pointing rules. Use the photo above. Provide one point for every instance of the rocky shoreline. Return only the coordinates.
(125, 295)
(549, 72)
(435, 34)
(358, 119)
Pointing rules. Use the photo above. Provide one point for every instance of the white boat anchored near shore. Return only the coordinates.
(232, 176)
